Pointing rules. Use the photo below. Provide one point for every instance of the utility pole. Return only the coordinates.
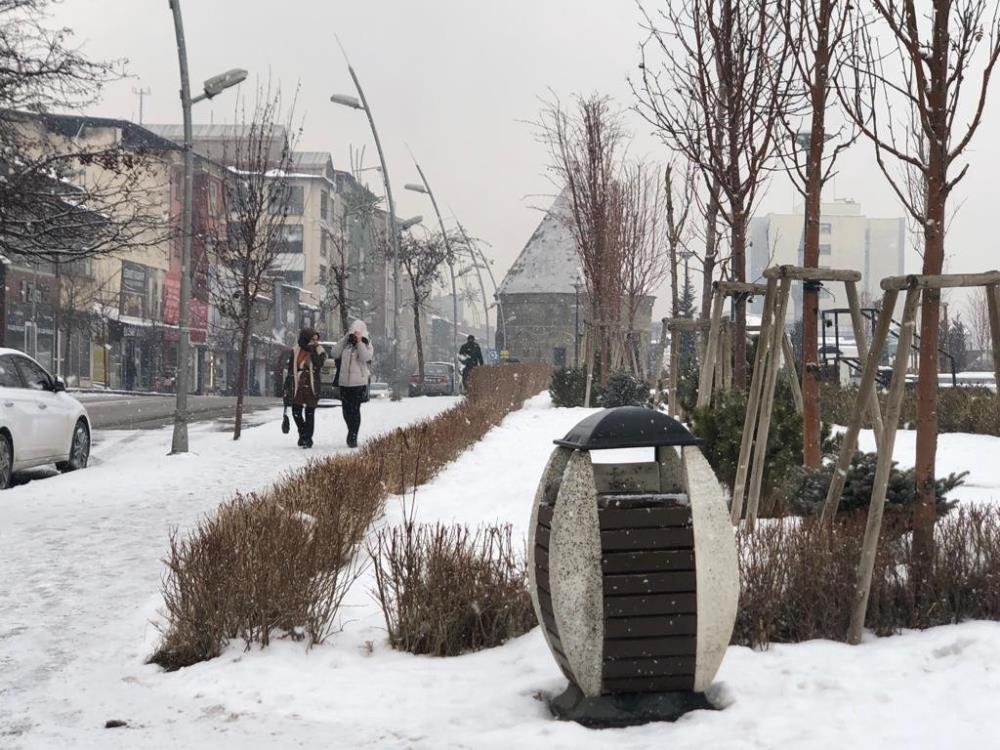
(142, 93)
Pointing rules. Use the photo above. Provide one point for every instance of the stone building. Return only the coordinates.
(544, 298)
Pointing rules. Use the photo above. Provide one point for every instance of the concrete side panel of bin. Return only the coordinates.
(548, 488)
(716, 567)
(671, 469)
(575, 574)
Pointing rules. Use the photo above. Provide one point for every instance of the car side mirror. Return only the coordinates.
(58, 386)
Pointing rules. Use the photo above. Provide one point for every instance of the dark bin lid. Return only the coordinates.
(627, 427)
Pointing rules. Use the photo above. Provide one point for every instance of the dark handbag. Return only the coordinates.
(336, 375)
(286, 427)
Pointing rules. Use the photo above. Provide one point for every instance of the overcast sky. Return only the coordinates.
(455, 80)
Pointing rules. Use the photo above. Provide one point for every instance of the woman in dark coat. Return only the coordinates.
(302, 392)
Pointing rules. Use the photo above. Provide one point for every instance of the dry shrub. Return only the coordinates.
(969, 409)
(445, 590)
(280, 562)
(797, 578)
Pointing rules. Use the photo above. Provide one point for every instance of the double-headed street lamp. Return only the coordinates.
(362, 103)
(212, 87)
(425, 188)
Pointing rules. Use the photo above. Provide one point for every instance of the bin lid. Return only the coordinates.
(627, 427)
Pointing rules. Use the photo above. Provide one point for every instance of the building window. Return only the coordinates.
(825, 227)
(292, 277)
(293, 201)
(324, 205)
(213, 198)
(324, 240)
(824, 249)
(291, 238)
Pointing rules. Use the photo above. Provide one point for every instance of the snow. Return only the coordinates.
(549, 262)
(80, 562)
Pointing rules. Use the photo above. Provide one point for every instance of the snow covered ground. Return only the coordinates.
(79, 558)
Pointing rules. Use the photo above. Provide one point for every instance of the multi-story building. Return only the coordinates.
(114, 317)
(848, 239)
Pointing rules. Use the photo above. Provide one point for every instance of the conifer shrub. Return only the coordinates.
(624, 389)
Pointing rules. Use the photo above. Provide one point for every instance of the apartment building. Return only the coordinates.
(848, 239)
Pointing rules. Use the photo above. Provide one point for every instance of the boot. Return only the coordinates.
(352, 440)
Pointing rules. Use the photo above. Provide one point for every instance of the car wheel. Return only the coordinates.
(79, 452)
(6, 461)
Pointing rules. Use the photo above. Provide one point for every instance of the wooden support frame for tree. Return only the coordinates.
(915, 287)
(772, 347)
(717, 366)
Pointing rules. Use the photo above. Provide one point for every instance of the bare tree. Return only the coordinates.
(260, 159)
(644, 234)
(977, 312)
(925, 77)
(62, 197)
(717, 97)
(680, 194)
(815, 29)
(585, 144)
(358, 207)
(422, 258)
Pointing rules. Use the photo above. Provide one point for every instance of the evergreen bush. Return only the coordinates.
(625, 389)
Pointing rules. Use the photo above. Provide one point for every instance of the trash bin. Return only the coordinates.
(633, 570)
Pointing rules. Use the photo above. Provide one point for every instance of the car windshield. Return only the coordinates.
(436, 370)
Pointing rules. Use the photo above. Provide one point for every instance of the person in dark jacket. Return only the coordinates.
(355, 353)
(471, 356)
(302, 388)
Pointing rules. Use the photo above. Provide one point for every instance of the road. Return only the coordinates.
(119, 412)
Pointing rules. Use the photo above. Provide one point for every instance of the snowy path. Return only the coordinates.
(80, 564)
(79, 584)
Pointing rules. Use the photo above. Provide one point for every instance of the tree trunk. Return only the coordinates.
(342, 301)
(420, 344)
(672, 241)
(740, 322)
(811, 453)
(711, 249)
(927, 381)
(241, 378)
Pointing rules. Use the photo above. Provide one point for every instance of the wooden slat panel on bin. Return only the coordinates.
(645, 627)
(661, 604)
(647, 561)
(542, 535)
(649, 684)
(638, 648)
(545, 515)
(644, 518)
(648, 583)
(635, 539)
(661, 666)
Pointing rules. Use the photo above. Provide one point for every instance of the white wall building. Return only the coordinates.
(848, 239)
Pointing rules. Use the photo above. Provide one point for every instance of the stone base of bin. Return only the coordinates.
(625, 709)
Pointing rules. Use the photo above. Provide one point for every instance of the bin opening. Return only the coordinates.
(639, 500)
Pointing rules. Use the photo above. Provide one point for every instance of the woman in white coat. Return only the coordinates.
(355, 353)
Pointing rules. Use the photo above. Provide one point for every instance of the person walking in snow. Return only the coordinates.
(471, 356)
(355, 353)
(302, 389)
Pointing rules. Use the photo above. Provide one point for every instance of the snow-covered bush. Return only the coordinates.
(797, 577)
(447, 590)
(569, 387)
(624, 389)
(278, 564)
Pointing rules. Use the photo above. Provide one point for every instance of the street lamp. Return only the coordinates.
(362, 104)
(425, 189)
(211, 88)
(482, 287)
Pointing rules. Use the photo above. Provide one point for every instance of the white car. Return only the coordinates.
(40, 423)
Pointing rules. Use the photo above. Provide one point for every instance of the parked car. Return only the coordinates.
(40, 423)
(379, 390)
(326, 387)
(439, 380)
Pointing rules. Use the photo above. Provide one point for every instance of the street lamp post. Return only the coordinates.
(350, 101)
(425, 188)
(212, 87)
(482, 287)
